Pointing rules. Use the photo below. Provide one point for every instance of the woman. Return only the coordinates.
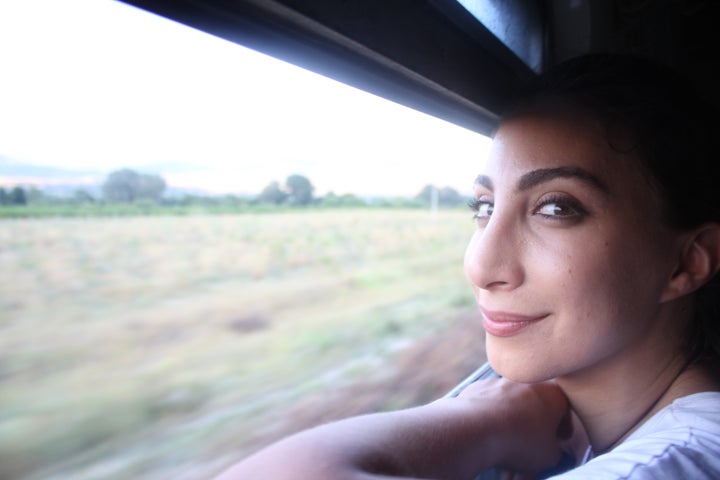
(593, 264)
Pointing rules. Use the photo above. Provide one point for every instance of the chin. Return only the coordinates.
(521, 368)
(522, 375)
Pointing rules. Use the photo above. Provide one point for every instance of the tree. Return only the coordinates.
(450, 197)
(34, 195)
(120, 186)
(272, 194)
(17, 196)
(127, 186)
(83, 196)
(150, 187)
(425, 194)
(4, 197)
(300, 190)
(447, 196)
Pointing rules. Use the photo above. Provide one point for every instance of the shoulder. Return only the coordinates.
(680, 441)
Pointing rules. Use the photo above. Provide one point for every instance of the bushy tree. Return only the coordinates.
(121, 186)
(151, 187)
(34, 195)
(300, 190)
(450, 197)
(272, 194)
(127, 186)
(425, 194)
(17, 196)
(83, 196)
(4, 197)
(447, 196)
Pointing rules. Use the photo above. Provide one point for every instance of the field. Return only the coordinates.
(169, 347)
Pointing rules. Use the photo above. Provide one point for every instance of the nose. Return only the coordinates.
(493, 259)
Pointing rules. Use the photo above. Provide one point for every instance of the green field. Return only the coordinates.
(168, 347)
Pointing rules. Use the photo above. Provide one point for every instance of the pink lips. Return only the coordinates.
(504, 324)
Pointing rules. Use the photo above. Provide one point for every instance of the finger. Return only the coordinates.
(565, 428)
(578, 442)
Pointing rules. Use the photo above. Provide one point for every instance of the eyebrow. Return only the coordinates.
(543, 175)
(485, 181)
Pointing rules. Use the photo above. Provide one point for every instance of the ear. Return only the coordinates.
(699, 262)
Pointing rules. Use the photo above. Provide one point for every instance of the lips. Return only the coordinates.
(505, 324)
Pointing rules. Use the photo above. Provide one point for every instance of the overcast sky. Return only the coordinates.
(98, 85)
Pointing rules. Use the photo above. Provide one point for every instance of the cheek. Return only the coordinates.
(607, 290)
(559, 266)
(597, 262)
(585, 280)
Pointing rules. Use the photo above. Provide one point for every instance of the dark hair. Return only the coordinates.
(672, 129)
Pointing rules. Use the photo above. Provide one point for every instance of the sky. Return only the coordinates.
(97, 85)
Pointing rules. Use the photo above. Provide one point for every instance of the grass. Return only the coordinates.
(167, 347)
(59, 208)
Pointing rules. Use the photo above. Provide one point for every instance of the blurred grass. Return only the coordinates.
(135, 347)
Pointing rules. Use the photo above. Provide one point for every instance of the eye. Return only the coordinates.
(557, 207)
(482, 207)
(554, 210)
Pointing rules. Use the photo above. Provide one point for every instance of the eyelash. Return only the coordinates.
(577, 210)
(576, 214)
(476, 203)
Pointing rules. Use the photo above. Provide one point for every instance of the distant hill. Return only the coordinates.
(62, 181)
(18, 169)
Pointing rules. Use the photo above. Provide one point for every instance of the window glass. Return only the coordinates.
(203, 248)
(516, 23)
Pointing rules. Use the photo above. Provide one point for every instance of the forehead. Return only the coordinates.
(572, 142)
(554, 140)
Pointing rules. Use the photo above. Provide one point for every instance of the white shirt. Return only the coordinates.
(681, 441)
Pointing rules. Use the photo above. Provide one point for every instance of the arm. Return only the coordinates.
(494, 423)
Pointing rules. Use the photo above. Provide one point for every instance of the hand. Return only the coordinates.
(530, 423)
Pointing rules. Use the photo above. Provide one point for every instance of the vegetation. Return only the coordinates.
(446, 196)
(272, 194)
(300, 190)
(15, 196)
(127, 192)
(128, 186)
(168, 347)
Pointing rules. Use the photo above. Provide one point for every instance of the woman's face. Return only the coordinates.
(570, 258)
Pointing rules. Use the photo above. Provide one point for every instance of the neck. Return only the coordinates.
(614, 398)
(626, 402)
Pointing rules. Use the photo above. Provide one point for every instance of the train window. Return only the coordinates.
(517, 24)
(204, 248)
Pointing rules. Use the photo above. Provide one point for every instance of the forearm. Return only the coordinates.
(495, 423)
(445, 439)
